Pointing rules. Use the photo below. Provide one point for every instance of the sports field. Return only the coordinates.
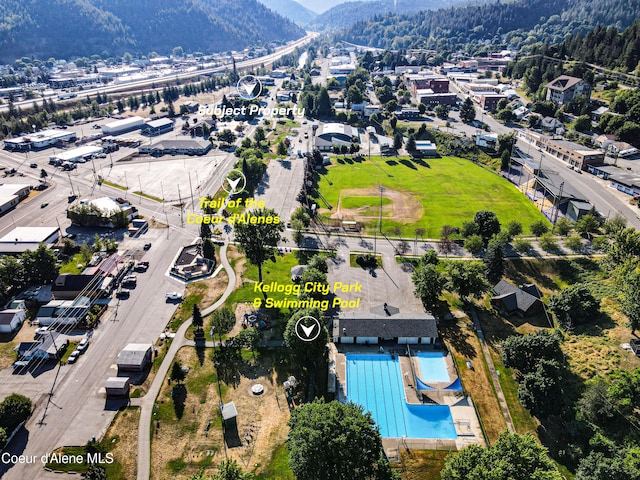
(425, 194)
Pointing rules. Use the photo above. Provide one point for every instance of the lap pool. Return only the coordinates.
(375, 382)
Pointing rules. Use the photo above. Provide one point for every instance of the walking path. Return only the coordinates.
(494, 374)
(148, 401)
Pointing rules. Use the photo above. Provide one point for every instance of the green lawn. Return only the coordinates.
(71, 266)
(280, 272)
(278, 468)
(449, 190)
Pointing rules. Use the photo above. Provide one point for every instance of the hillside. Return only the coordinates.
(516, 23)
(320, 6)
(291, 9)
(66, 28)
(346, 14)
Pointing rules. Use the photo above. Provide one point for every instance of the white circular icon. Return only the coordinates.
(308, 328)
(249, 87)
(235, 182)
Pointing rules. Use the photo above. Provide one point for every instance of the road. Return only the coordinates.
(78, 410)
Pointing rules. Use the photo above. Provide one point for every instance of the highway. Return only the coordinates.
(147, 83)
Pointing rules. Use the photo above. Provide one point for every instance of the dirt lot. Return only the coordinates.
(404, 207)
(181, 447)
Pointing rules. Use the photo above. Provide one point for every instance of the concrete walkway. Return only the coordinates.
(148, 401)
(494, 374)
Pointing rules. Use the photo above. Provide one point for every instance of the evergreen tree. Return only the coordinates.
(467, 111)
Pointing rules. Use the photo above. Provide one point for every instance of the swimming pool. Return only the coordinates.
(433, 367)
(375, 382)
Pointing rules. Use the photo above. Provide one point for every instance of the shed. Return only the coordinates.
(522, 301)
(228, 411)
(11, 320)
(117, 386)
(135, 357)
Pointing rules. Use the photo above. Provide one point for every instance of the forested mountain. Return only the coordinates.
(606, 47)
(348, 13)
(292, 10)
(320, 6)
(65, 28)
(515, 23)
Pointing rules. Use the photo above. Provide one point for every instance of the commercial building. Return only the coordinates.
(63, 312)
(76, 155)
(177, 147)
(330, 134)
(574, 154)
(37, 140)
(104, 208)
(158, 127)
(21, 239)
(384, 323)
(122, 126)
(490, 101)
(565, 88)
(11, 195)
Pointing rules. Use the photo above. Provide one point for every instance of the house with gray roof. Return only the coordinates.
(511, 300)
(385, 323)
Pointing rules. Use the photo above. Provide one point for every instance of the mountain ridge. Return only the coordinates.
(46, 28)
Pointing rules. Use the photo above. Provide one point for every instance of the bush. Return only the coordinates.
(573, 243)
(522, 246)
(548, 243)
(367, 260)
(474, 244)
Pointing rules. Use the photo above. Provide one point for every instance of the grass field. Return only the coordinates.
(447, 190)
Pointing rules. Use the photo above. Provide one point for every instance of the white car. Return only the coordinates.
(41, 331)
(82, 346)
(73, 357)
(173, 296)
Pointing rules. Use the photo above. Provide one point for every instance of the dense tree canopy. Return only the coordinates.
(512, 456)
(330, 441)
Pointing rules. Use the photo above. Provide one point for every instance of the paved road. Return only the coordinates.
(147, 403)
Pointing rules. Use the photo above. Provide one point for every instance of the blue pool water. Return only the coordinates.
(432, 367)
(375, 382)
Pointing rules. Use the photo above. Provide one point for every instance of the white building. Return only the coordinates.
(330, 134)
(11, 195)
(123, 126)
(11, 320)
(21, 239)
(76, 155)
(42, 139)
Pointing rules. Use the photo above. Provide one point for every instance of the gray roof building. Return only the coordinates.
(135, 357)
(522, 301)
(385, 322)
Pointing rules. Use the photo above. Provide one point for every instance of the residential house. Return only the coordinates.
(564, 89)
(12, 320)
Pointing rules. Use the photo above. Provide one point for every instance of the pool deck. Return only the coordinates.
(462, 411)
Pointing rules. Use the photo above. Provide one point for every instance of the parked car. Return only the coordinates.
(41, 331)
(73, 357)
(123, 293)
(83, 345)
(129, 280)
(174, 296)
